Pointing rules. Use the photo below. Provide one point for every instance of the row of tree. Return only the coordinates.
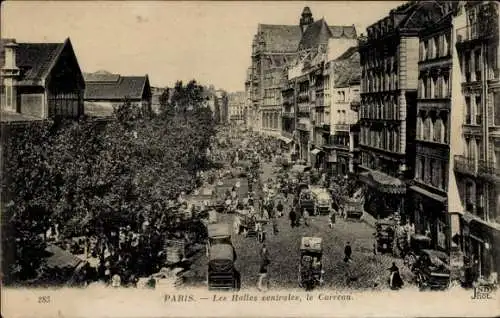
(90, 177)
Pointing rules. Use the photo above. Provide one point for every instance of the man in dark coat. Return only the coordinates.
(347, 252)
(293, 218)
(395, 281)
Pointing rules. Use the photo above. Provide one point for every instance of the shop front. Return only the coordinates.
(384, 196)
(480, 248)
(430, 217)
(317, 158)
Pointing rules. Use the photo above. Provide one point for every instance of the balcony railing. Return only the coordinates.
(341, 127)
(304, 109)
(288, 115)
(489, 168)
(486, 27)
(466, 165)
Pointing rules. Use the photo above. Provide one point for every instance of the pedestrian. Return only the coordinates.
(275, 226)
(332, 219)
(279, 208)
(395, 281)
(347, 252)
(305, 215)
(264, 263)
(293, 217)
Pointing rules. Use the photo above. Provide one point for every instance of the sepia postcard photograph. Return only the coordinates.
(250, 159)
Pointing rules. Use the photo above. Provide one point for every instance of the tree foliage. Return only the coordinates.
(92, 178)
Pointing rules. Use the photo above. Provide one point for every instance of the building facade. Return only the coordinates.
(343, 145)
(428, 189)
(309, 87)
(104, 91)
(477, 163)
(389, 82)
(40, 80)
(236, 105)
(272, 48)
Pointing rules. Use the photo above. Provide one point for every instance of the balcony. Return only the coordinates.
(342, 127)
(303, 127)
(290, 115)
(489, 168)
(485, 28)
(304, 109)
(466, 165)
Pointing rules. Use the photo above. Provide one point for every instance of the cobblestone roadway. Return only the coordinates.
(366, 270)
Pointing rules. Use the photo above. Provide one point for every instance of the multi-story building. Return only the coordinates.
(476, 165)
(342, 149)
(248, 116)
(40, 81)
(272, 48)
(309, 86)
(429, 188)
(389, 82)
(236, 106)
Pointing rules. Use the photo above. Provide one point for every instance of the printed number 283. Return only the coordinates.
(43, 299)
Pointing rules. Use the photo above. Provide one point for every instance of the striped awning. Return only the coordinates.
(383, 182)
(428, 194)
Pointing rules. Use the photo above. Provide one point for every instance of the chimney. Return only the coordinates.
(9, 73)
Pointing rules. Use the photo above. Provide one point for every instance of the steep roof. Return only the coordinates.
(347, 70)
(319, 33)
(280, 38)
(113, 86)
(348, 53)
(35, 60)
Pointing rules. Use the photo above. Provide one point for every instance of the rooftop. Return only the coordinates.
(107, 86)
(34, 60)
(319, 33)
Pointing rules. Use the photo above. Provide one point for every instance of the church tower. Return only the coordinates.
(306, 20)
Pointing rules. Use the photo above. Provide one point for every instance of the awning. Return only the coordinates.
(315, 151)
(431, 195)
(285, 139)
(383, 182)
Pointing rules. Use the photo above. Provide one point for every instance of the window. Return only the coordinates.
(419, 168)
(468, 110)
(420, 127)
(436, 47)
(428, 129)
(496, 108)
(421, 88)
(432, 92)
(436, 173)
(8, 95)
(477, 64)
(439, 131)
(444, 173)
(445, 86)
(479, 110)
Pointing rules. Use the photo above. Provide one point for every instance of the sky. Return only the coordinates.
(171, 40)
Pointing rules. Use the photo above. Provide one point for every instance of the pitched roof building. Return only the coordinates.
(274, 47)
(40, 80)
(105, 90)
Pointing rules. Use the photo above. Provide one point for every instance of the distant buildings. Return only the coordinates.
(307, 98)
(276, 48)
(236, 106)
(39, 81)
(105, 91)
(272, 48)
